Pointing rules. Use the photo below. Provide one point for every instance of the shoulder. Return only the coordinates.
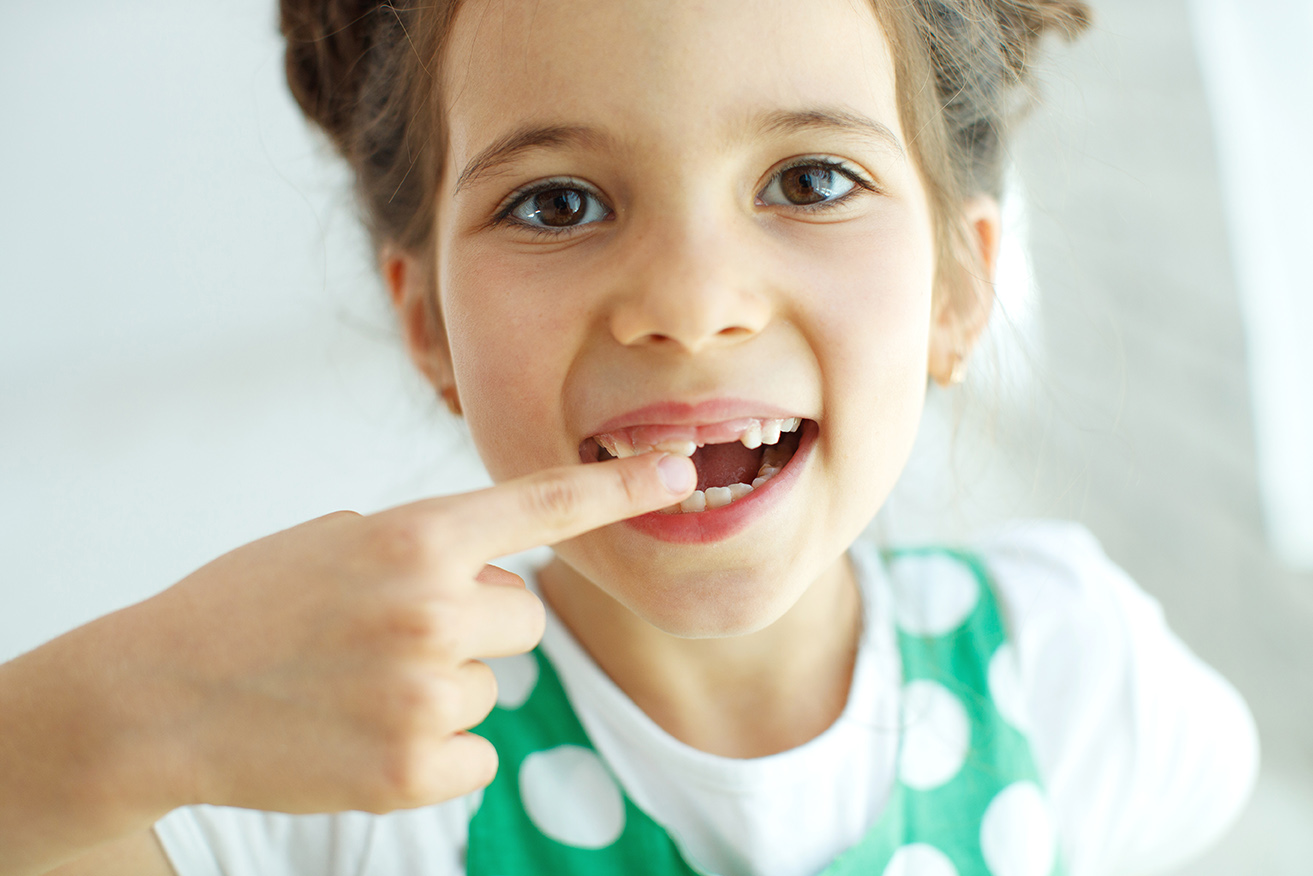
(1060, 594)
(1041, 567)
(212, 840)
(1148, 753)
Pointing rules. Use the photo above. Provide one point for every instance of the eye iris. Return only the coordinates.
(807, 184)
(559, 207)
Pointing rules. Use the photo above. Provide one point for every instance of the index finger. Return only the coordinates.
(559, 503)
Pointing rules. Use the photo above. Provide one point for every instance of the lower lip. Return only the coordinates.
(718, 524)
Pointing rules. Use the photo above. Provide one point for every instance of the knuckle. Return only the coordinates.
(431, 628)
(418, 770)
(423, 702)
(335, 518)
(403, 542)
(632, 484)
(554, 499)
(406, 777)
(444, 637)
(444, 701)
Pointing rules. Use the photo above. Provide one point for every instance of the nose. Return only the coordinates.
(690, 289)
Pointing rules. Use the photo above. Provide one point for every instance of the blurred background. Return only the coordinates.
(195, 350)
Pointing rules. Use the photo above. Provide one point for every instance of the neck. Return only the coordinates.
(738, 696)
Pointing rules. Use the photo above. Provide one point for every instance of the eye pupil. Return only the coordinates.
(559, 207)
(807, 184)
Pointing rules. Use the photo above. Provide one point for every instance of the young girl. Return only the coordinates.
(685, 269)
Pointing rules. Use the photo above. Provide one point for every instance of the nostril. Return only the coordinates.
(692, 341)
(655, 338)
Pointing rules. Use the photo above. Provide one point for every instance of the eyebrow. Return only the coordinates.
(508, 148)
(494, 158)
(779, 122)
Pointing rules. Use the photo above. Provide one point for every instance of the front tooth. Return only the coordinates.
(622, 447)
(681, 448)
(770, 431)
(695, 502)
(738, 491)
(719, 497)
(751, 437)
(669, 509)
(792, 424)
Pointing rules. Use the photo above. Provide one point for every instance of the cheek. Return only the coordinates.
(872, 316)
(509, 336)
(873, 337)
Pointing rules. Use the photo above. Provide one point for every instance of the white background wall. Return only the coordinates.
(194, 350)
(1258, 73)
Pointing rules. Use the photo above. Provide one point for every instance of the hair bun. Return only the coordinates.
(327, 45)
(1027, 21)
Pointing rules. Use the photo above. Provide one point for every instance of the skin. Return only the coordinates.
(336, 665)
(693, 287)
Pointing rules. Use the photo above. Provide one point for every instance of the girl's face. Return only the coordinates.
(679, 215)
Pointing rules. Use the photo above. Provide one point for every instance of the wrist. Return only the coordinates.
(140, 759)
(81, 761)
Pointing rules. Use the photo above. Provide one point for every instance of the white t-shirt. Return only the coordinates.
(1146, 753)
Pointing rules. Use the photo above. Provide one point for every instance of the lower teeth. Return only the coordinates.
(719, 497)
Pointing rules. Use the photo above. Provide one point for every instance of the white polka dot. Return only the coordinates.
(933, 594)
(1016, 834)
(1005, 687)
(516, 677)
(571, 797)
(936, 735)
(919, 859)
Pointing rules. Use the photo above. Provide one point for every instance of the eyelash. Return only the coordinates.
(860, 182)
(518, 197)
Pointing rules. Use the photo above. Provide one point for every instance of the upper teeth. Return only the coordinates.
(754, 434)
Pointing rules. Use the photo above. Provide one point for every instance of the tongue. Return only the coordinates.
(720, 465)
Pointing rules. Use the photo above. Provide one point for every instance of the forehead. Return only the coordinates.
(667, 73)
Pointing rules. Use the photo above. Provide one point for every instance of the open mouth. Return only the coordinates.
(733, 458)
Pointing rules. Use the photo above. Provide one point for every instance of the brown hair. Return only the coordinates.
(363, 70)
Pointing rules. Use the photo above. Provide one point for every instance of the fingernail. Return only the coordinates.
(677, 473)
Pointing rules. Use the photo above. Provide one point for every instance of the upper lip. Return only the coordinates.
(679, 413)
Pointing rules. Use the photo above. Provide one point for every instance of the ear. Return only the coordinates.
(966, 297)
(409, 282)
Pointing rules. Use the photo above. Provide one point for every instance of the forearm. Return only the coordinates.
(86, 756)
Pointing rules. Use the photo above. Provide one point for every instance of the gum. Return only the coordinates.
(710, 433)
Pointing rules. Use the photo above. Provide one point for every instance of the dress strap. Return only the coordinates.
(555, 807)
(967, 799)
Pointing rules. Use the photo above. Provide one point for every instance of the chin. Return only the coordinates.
(717, 605)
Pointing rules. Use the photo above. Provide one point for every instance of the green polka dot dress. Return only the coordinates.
(966, 801)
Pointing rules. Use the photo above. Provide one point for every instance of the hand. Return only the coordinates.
(335, 665)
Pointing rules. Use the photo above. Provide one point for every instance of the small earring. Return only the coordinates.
(452, 400)
(959, 372)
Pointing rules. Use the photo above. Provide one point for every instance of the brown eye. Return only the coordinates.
(558, 207)
(806, 184)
